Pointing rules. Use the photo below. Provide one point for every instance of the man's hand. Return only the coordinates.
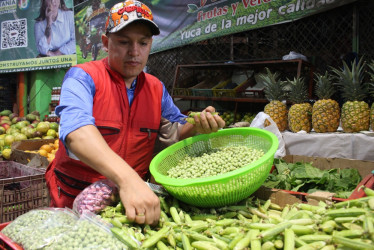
(208, 123)
(141, 204)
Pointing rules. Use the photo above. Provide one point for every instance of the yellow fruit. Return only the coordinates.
(43, 152)
(6, 153)
(47, 148)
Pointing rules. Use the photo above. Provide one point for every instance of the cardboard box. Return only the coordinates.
(30, 159)
(286, 197)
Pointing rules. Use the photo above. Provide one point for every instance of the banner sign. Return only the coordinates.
(183, 22)
(188, 21)
(36, 36)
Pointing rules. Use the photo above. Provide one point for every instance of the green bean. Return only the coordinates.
(354, 244)
(289, 239)
(124, 237)
(368, 191)
(268, 245)
(313, 245)
(255, 241)
(161, 246)
(342, 212)
(328, 226)
(155, 237)
(279, 243)
(220, 243)
(174, 214)
(275, 230)
(163, 204)
(186, 242)
(204, 245)
(302, 230)
(244, 241)
(316, 237)
(116, 222)
(236, 239)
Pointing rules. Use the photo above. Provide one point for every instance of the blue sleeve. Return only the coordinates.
(169, 110)
(76, 101)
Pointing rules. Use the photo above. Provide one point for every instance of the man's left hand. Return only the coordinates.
(208, 123)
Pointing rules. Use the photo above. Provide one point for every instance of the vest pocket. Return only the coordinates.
(149, 131)
(105, 130)
(69, 186)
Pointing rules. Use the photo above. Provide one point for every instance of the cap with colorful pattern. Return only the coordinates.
(124, 13)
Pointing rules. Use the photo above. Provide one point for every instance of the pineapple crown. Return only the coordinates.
(324, 87)
(350, 81)
(371, 74)
(274, 90)
(299, 91)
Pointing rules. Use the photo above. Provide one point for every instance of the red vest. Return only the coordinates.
(129, 131)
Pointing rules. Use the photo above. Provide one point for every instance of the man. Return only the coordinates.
(111, 113)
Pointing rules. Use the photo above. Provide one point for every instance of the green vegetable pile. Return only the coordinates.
(50, 228)
(215, 162)
(251, 224)
(304, 177)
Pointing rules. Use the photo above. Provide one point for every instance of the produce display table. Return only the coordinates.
(357, 146)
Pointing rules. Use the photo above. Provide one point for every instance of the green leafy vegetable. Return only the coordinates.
(304, 177)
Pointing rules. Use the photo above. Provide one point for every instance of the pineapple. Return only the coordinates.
(355, 112)
(371, 73)
(326, 112)
(299, 114)
(276, 109)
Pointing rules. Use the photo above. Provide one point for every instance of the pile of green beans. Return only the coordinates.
(215, 162)
(251, 224)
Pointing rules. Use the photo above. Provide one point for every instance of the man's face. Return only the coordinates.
(128, 50)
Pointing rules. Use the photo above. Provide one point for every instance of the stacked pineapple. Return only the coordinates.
(326, 112)
(371, 74)
(274, 92)
(355, 112)
(300, 113)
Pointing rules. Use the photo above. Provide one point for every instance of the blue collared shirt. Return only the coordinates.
(63, 34)
(76, 102)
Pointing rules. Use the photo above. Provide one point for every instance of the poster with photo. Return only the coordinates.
(36, 35)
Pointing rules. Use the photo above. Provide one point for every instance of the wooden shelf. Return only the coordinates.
(224, 99)
(295, 68)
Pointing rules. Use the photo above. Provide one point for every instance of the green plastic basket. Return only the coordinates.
(223, 189)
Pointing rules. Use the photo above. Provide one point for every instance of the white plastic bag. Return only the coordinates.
(259, 122)
(294, 55)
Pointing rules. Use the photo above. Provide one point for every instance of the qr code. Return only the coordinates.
(14, 34)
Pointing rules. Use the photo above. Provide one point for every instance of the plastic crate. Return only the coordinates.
(221, 91)
(5, 242)
(181, 92)
(205, 87)
(22, 188)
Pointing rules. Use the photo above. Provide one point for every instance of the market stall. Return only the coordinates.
(222, 190)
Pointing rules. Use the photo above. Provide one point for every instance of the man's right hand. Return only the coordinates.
(141, 204)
